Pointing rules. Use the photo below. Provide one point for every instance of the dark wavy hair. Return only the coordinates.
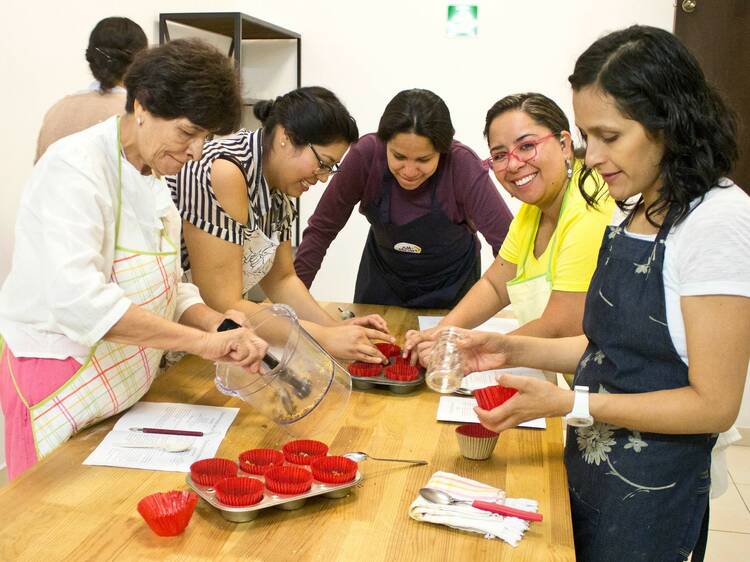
(112, 45)
(421, 112)
(186, 78)
(310, 115)
(657, 82)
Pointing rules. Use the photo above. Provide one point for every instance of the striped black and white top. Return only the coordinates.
(270, 210)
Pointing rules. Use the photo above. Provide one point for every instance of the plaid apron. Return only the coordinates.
(114, 376)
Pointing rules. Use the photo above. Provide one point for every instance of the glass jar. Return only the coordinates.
(299, 386)
(445, 370)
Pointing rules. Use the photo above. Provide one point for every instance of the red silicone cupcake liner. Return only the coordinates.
(289, 480)
(258, 461)
(334, 470)
(365, 369)
(304, 451)
(402, 372)
(492, 396)
(389, 349)
(168, 513)
(239, 491)
(208, 472)
(475, 430)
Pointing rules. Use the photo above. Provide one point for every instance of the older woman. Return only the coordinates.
(94, 292)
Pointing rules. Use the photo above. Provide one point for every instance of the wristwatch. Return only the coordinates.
(580, 416)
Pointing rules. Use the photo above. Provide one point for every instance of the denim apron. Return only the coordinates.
(634, 495)
(429, 262)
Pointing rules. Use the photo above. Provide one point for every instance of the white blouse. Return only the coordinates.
(58, 300)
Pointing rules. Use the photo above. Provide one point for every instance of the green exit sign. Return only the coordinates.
(463, 20)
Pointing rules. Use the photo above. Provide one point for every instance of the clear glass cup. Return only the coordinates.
(299, 386)
(445, 371)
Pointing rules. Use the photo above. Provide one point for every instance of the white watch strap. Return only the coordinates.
(580, 415)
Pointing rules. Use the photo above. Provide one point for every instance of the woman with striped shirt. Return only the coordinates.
(237, 213)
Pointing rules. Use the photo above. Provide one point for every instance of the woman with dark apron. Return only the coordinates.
(660, 371)
(425, 195)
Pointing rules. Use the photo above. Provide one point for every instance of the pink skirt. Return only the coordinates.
(36, 379)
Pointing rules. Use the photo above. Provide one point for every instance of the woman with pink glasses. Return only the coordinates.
(547, 259)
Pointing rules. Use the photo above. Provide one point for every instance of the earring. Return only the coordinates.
(139, 121)
(568, 169)
(283, 143)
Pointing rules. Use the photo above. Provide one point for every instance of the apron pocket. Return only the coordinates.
(585, 523)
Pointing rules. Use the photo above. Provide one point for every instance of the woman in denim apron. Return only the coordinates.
(664, 368)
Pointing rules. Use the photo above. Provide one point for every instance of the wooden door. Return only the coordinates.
(718, 34)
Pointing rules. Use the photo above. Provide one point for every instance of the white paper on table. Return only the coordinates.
(213, 421)
(461, 410)
(480, 379)
(501, 325)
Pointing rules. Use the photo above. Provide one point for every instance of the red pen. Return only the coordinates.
(167, 431)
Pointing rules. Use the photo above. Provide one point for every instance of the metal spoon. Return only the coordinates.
(443, 498)
(168, 446)
(359, 456)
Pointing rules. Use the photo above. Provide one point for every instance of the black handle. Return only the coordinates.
(301, 387)
(229, 324)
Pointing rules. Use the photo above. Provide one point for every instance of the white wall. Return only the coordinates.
(365, 52)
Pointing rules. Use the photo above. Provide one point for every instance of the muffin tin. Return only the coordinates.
(368, 375)
(270, 499)
(304, 471)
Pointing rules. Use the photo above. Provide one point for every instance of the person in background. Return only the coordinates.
(424, 194)
(660, 370)
(94, 292)
(112, 45)
(547, 259)
(238, 214)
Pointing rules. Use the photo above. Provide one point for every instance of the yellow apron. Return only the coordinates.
(114, 376)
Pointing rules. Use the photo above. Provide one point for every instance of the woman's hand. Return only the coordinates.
(535, 399)
(353, 342)
(374, 321)
(241, 347)
(234, 315)
(480, 351)
(418, 345)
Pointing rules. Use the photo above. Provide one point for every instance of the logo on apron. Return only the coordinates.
(407, 248)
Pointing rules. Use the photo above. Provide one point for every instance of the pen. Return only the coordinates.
(167, 431)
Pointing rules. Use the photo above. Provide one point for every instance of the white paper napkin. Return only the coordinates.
(467, 518)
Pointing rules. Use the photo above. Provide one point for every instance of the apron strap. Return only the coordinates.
(550, 245)
(5, 350)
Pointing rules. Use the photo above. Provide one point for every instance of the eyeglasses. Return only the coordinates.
(323, 168)
(523, 152)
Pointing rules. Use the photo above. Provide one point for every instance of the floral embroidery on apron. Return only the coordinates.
(257, 257)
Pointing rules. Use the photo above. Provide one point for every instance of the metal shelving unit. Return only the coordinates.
(237, 27)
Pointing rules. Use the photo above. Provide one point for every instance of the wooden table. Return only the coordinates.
(61, 509)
